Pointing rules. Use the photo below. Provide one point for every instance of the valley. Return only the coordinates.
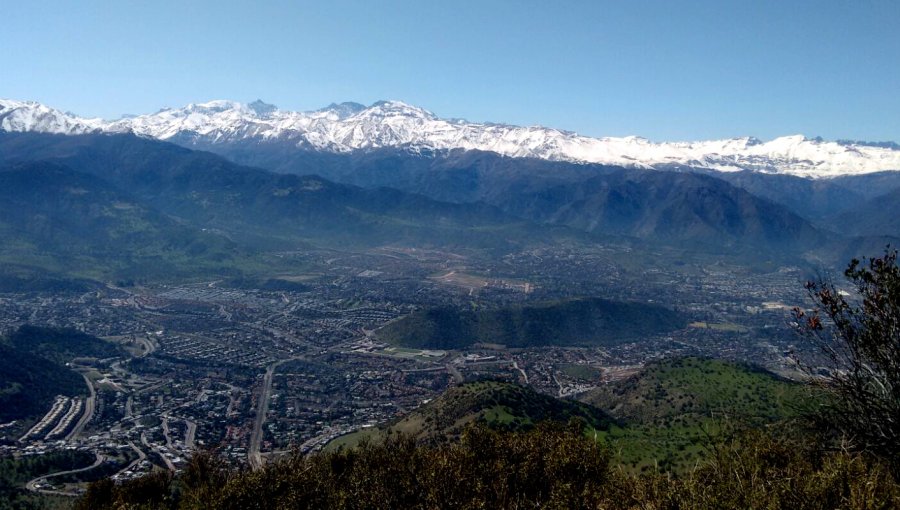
(167, 301)
(433, 255)
(260, 366)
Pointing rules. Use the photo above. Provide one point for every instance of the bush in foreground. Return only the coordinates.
(551, 466)
(859, 336)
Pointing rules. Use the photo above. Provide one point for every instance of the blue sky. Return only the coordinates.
(664, 69)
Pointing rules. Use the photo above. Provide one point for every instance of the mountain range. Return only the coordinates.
(219, 187)
(221, 126)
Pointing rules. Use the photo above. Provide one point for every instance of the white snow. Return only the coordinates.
(348, 127)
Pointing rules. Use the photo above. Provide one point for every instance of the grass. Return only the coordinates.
(351, 440)
(673, 407)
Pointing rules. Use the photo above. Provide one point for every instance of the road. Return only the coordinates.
(32, 485)
(165, 427)
(190, 434)
(88, 410)
(560, 393)
(157, 451)
(457, 375)
(141, 456)
(262, 407)
(148, 346)
(515, 365)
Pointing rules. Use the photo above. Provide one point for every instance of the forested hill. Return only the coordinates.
(588, 321)
(33, 369)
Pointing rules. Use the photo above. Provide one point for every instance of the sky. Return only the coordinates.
(663, 69)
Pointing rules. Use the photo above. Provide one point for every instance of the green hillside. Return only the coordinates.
(499, 405)
(33, 371)
(670, 409)
(28, 383)
(588, 321)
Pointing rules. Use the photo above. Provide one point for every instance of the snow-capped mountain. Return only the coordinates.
(348, 127)
(24, 116)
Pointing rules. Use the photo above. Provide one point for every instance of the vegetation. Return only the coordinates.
(33, 371)
(670, 410)
(61, 344)
(687, 388)
(16, 471)
(28, 384)
(862, 343)
(589, 321)
(58, 220)
(498, 405)
(550, 466)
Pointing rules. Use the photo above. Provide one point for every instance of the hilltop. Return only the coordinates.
(498, 405)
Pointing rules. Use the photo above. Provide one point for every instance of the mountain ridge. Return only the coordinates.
(350, 127)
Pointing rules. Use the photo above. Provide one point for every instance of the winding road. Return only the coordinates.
(32, 485)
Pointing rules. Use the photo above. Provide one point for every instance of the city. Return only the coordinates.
(297, 361)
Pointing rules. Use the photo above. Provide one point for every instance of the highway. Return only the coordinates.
(88, 410)
(262, 407)
(157, 451)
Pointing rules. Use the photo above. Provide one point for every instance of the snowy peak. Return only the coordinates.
(25, 116)
(396, 109)
(347, 127)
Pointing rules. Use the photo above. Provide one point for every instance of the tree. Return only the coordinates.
(860, 338)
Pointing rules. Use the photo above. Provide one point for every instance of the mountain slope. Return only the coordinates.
(54, 218)
(350, 127)
(680, 208)
(270, 209)
(28, 384)
(662, 206)
(686, 389)
(816, 200)
(875, 217)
